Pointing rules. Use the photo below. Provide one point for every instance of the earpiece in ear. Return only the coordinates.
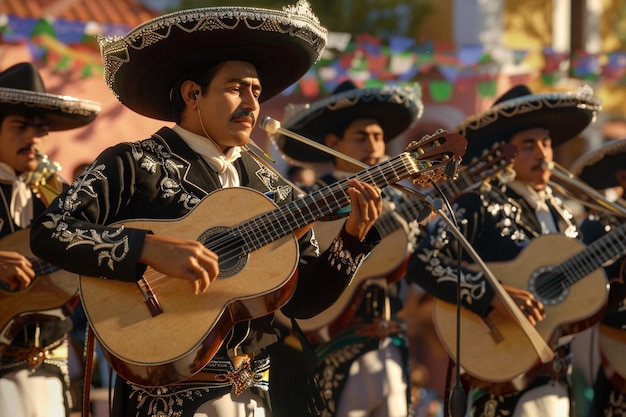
(195, 94)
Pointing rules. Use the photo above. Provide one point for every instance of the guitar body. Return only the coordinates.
(390, 254)
(155, 349)
(49, 297)
(612, 346)
(499, 350)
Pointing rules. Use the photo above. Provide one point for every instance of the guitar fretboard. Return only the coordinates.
(608, 248)
(297, 214)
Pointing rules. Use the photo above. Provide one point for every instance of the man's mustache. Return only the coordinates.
(541, 166)
(243, 114)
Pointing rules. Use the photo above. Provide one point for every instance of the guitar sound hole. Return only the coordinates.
(546, 285)
(229, 248)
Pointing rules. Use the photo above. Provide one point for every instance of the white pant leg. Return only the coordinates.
(545, 400)
(376, 386)
(26, 394)
(245, 405)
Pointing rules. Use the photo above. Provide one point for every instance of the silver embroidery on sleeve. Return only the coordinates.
(112, 246)
(342, 258)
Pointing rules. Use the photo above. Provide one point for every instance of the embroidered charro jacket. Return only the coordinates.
(499, 224)
(162, 178)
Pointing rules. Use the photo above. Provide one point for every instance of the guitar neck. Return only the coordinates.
(412, 209)
(324, 202)
(608, 248)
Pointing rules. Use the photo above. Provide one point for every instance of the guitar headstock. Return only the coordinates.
(494, 162)
(437, 156)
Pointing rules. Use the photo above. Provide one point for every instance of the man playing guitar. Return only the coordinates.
(499, 221)
(364, 348)
(34, 305)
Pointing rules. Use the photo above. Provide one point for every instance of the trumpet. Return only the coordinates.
(45, 182)
(598, 201)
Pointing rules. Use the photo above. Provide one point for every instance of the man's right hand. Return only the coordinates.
(525, 301)
(179, 258)
(16, 271)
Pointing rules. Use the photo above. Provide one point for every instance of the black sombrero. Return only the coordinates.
(597, 167)
(565, 115)
(395, 108)
(142, 67)
(22, 91)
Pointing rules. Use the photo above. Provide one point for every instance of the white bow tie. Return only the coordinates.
(21, 204)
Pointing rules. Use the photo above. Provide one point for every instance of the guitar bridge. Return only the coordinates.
(492, 330)
(149, 297)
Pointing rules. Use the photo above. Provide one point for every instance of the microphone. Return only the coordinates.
(270, 125)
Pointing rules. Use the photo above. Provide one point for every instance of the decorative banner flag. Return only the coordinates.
(449, 72)
(399, 44)
(487, 89)
(586, 66)
(554, 61)
(401, 63)
(440, 90)
(309, 87)
(368, 43)
(519, 55)
(615, 66)
(338, 41)
(470, 55)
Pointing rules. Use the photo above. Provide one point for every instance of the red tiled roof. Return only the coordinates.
(126, 12)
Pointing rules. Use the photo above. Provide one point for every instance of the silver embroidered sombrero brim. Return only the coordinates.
(395, 108)
(598, 166)
(22, 91)
(564, 114)
(142, 66)
(61, 112)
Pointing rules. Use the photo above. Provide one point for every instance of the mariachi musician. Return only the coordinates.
(499, 221)
(604, 170)
(34, 379)
(361, 343)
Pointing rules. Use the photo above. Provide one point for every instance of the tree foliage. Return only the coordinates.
(376, 17)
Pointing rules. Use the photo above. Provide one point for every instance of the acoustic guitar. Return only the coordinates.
(52, 295)
(156, 332)
(562, 273)
(388, 259)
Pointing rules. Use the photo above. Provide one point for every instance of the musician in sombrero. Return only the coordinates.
(34, 378)
(500, 220)
(206, 71)
(604, 170)
(365, 351)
